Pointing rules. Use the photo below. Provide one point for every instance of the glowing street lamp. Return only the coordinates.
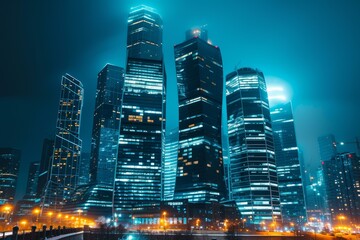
(23, 224)
(197, 223)
(225, 224)
(341, 218)
(164, 215)
(50, 215)
(36, 212)
(79, 211)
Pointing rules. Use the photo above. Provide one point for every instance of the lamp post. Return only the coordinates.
(198, 224)
(341, 218)
(6, 209)
(59, 216)
(50, 215)
(36, 211)
(244, 221)
(164, 220)
(356, 142)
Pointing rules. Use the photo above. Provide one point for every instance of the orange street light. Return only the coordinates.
(23, 223)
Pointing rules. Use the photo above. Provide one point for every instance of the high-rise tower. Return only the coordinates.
(138, 171)
(199, 72)
(45, 162)
(67, 146)
(254, 181)
(287, 161)
(169, 165)
(9, 170)
(106, 125)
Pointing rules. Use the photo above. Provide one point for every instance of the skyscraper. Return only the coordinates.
(84, 169)
(45, 162)
(169, 166)
(254, 179)
(342, 180)
(106, 125)
(288, 164)
(9, 170)
(138, 170)
(67, 146)
(33, 177)
(327, 146)
(199, 72)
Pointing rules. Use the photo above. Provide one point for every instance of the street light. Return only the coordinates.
(198, 223)
(23, 223)
(6, 210)
(36, 211)
(341, 218)
(50, 215)
(356, 142)
(164, 215)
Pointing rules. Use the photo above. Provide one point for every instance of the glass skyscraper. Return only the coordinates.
(84, 169)
(106, 125)
(199, 72)
(138, 170)
(169, 166)
(32, 182)
(342, 180)
(44, 172)
(67, 145)
(254, 181)
(288, 164)
(9, 170)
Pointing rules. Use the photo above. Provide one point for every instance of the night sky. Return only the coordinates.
(310, 47)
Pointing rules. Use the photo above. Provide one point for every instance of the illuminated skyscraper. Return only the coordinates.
(199, 72)
(254, 181)
(67, 145)
(169, 168)
(9, 170)
(288, 164)
(84, 169)
(342, 180)
(32, 182)
(106, 125)
(138, 172)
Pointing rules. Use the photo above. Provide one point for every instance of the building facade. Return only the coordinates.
(342, 180)
(33, 176)
(254, 179)
(9, 170)
(84, 169)
(169, 166)
(288, 164)
(138, 170)
(44, 168)
(106, 125)
(67, 145)
(327, 147)
(199, 72)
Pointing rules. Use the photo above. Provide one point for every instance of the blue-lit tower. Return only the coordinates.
(199, 72)
(254, 181)
(138, 170)
(106, 125)
(287, 160)
(67, 145)
(169, 168)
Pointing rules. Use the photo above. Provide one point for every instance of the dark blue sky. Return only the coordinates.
(312, 47)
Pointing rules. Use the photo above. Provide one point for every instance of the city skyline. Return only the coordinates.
(312, 105)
